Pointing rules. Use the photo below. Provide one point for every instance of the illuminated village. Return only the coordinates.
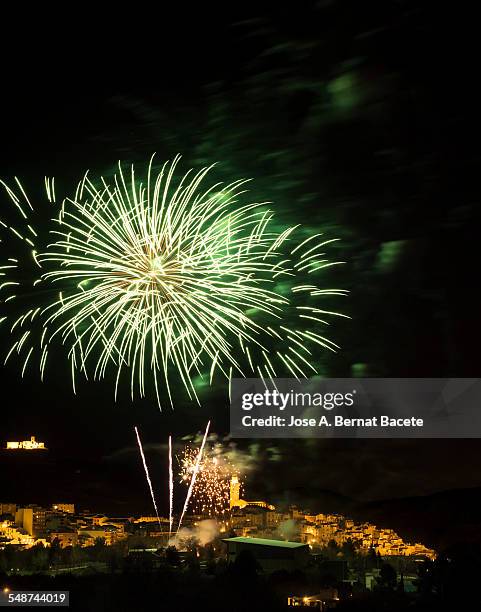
(317, 530)
(31, 525)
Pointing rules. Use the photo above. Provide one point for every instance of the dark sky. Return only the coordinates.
(393, 160)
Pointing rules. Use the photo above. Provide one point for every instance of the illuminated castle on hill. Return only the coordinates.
(236, 502)
(31, 444)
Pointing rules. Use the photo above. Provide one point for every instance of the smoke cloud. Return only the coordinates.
(202, 534)
(288, 529)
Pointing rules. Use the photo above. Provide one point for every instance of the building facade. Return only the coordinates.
(31, 444)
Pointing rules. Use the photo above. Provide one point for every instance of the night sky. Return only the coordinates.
(358, 117)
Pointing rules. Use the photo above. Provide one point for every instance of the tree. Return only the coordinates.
(55, 552)
(387, 577)
(332, 549)
(453, 576)
(348, 549)
(192, 563)
(246, 566)
(372, 559)
(40, 557)
(172, 556)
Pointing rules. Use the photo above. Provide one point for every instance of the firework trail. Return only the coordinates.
(194, 476)
(163, 279)
(171, 487)
(147, 474)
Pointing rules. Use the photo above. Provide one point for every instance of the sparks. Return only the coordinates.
(166, 280)
(211, 491)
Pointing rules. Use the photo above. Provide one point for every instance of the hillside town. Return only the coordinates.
(27, 526)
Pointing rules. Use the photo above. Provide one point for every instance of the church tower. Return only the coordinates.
(234, 492)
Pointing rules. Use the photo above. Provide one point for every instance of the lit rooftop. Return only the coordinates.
(263, 542)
